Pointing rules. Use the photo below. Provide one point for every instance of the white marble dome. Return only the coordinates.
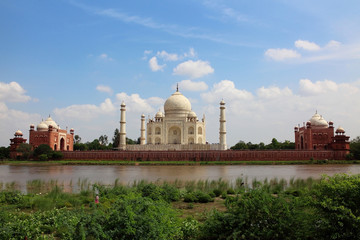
(192, 114)
(318, 121)
(42, 127)
(177, 105)
(49, 121)
(159, 114)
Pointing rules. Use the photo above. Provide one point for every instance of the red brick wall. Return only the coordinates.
(246, 155)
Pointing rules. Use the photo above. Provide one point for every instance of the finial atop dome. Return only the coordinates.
(177, 87)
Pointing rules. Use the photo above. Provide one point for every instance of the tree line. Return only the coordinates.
(275, 144)
(101, 143)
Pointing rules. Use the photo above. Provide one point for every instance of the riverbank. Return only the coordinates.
(136, 163)
(297, 209)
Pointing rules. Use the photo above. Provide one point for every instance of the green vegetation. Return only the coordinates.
(272, 209)
(102, 143)
(4, 153)
(355, 148)
(275, 144)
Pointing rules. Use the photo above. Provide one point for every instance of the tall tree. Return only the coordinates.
(116, 138)
(77, 139)
(103, 139)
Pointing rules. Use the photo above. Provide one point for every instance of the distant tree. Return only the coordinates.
(103, 139)
(77, 139)
(116, 138)
(26, 150)
(355, 148)
(80, 147)
(239, 146)
(42, 149)
(4, 152)
(275, 144)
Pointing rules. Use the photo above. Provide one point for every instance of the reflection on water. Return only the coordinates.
(107, 174)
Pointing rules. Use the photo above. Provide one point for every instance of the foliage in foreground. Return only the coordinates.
(274, 209)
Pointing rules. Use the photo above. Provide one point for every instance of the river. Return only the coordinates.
(107, 174)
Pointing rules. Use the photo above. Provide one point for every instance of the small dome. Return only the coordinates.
(340, 130)
(222, 102)
(177, 105)
(318, 121)
(49, 121)
(42, 127)
(18, 133)
(159, 114)
(192, 114)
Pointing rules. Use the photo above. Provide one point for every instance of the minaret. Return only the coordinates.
(142, 130)
(122, 144)
(222, 132)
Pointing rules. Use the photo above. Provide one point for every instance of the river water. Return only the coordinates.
(107, 174)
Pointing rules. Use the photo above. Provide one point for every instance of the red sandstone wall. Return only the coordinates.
(246, 155)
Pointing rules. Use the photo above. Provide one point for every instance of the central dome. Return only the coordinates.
(177, 105)
(318, 121)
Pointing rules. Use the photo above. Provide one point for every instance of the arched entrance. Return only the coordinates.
(302, 142)
(62, 144)
(174, 135)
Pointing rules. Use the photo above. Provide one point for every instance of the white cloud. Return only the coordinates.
(12, 92)
(273, 92)
(146, 53)
(281, 54)
(333, 44)
(274, 111)
(193, 69)
(310, 46)
(167, 56)
(105, 57)
(307, 87)
(190, 54)
(134, 103)
(105, 89)
(188, 85)
(12, 120)
(154, 66)
(225, 90)
(85, 111)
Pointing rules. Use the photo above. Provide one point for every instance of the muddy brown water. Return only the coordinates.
(107, 174)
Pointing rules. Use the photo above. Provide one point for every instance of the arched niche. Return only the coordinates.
(174, 135)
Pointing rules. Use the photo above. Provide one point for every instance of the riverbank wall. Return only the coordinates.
(212, 155)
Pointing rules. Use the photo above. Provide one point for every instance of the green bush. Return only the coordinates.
(230, 191)
(56, 155)
(43, 157)
(217, 192)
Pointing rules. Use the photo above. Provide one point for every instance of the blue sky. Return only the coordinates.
(273, 62)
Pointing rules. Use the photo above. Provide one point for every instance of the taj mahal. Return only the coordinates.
(178, 128)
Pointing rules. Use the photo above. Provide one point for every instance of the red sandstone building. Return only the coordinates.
(15, 142)
(48, 132)
(318, 134)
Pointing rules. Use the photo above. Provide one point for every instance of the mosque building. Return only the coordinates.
(49, 132)
(318, 134)
(177, 128)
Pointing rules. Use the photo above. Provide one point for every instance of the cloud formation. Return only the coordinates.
(188, 85)
(13, 92)
(193, 69)
(105, 89)
(154, 66)
(310, 46)
(281, 54)
(85, 112)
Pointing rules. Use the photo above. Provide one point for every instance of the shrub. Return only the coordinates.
(230, 191)
(217, 192)
(56, 155)
(43, 157)
(212, 194)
